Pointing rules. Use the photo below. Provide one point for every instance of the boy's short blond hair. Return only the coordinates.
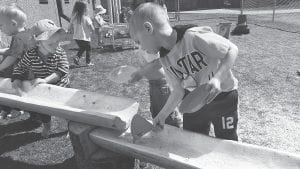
(147, 12)
(14, 12)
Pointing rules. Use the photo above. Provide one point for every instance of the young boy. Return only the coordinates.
(159, 90)
(123, 15)
(12, 23)
(189, 52)
(47, 61)
(99, 22)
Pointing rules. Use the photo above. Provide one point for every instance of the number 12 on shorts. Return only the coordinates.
(227, 122)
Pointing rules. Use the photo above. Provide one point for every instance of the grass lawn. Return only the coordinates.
(269, 92)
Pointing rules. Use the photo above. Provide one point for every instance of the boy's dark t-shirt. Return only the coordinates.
(20, 43)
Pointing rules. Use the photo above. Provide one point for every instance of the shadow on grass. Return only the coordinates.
(12, 142)
(8, 163)
(19, 126)
(77, 66)
(107, 48)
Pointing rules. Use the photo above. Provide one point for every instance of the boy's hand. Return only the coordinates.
(136, 76)
(17, 84)
(214, 86)
(159, 122)
(38, 81)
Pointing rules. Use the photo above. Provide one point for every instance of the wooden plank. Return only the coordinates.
(82, 145)
(90, 156)
(175, 148)
(72, 104)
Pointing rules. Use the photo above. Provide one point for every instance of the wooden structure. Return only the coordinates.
(109, 146)
(72, 104)
(170, 149)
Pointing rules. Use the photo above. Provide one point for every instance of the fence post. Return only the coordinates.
(177, 12)
(110, 8)
(274, 7)
(242, 7)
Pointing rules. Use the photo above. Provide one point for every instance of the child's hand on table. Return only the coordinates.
(159, 122)
(38, 81)
(17, 84)
(214, 86)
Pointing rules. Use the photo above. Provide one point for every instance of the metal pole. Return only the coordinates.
(242, 7)
(111, 17)
(178, 11)
(274, 7)
(117, 4)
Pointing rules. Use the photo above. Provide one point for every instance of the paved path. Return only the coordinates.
(248, 12)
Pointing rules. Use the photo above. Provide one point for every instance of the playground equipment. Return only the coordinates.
(72, 104)
(103, 137)
(116, 30)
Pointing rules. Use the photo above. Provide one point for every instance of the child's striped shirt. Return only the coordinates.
(55, 63)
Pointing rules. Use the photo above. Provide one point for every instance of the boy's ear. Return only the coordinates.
(148, 27)
(14, 22)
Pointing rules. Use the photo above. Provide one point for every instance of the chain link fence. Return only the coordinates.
(274, 14)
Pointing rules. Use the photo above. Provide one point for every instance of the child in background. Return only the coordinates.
(190, 52)
(12, 23)
(82, 26)
(159, 90)
(123, 15)
(47, 61)
(99, 22)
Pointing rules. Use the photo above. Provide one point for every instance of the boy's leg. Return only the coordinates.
(81, 46)
(225, 115)
(100, 36)
(88, 50)
(46, 120)
(4, 111)
(97, 34)
(159, 93)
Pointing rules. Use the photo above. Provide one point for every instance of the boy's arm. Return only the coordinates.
(146, 69)
(51, 79)
(223, 49)
(90, 24)
(15, 51)
(70, 26)
(62, 69)
(21, 67)
(99, 19)
(175, 97)
(63, 64)
(214, 85)
(3, 51)
(7, 62)
(227, 62)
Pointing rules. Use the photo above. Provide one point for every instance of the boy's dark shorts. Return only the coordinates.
(222, 112)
